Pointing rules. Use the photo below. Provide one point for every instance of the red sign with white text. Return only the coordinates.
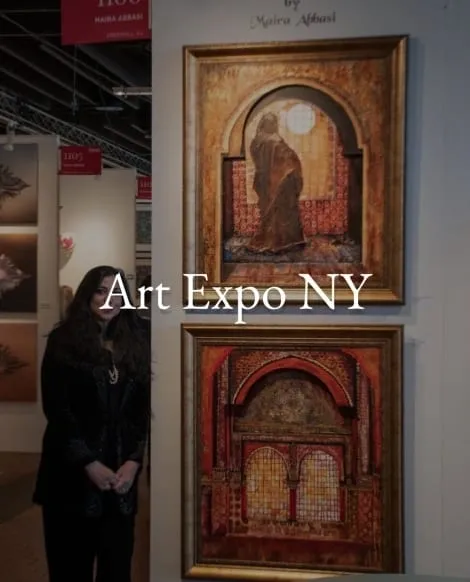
(97, 21)
(80, 161)
(144, 188)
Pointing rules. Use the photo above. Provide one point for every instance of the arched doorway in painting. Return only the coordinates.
(294, 475)
(319, 493)
(266, 485)
(294, 193)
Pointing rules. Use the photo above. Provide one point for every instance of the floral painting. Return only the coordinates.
(19, 185)
(18, 273)
(18, 362)
(294, 164)
(292, 458)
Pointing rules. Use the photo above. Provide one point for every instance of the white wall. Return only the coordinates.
(454, 236)
(437, 318)
(22, 425)
(100, 212)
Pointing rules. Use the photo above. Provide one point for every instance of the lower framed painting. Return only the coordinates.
(18, 361)
(292, 451)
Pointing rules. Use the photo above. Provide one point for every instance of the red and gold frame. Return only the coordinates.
(292, 463)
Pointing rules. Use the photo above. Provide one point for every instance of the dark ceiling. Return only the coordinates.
(66, 90)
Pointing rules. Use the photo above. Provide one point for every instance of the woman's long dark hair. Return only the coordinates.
(80, 333)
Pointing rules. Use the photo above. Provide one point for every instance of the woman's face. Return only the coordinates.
(99, 299)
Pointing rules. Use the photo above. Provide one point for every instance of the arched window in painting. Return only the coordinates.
(298, 180)
(318, 497)
(267, 493)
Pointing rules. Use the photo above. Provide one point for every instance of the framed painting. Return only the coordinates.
(18, 361)
(292, 451)
(18, 272)
(143, 227)
(19, 185)
(143, 268)
(294, 163)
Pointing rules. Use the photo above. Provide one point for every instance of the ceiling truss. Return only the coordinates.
(33, 119)
(68, 90)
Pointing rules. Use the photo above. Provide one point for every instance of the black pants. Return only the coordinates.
(74, 543)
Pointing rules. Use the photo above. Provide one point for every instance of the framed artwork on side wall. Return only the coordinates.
(143, 268)
(18, 361)
(19, 185)
(18, 272)
(143, 227)
(294, 163)
(292, 460)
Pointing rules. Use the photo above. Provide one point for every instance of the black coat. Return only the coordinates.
(75, 397)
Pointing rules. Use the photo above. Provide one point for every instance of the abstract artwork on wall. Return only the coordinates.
(294, 159)
(18, 362)
(18, 273)
(143, 227)
(19, 185)
(292, 451)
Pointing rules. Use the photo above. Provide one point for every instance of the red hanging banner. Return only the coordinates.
(80, 161)
(98, 21)
(144, 188)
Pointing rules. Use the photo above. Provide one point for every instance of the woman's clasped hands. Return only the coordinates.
(107, 480)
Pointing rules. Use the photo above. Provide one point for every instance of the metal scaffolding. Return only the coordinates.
(38, 121)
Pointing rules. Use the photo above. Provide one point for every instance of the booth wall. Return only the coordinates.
(99, 212)
(436, 315)
(22, 425)
(454, 233)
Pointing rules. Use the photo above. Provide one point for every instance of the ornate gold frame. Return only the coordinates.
(203, 179)
(388, 339)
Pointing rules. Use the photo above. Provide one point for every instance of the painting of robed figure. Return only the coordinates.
(278, 184)
(294, 165)
(300, 191)
(292, 458)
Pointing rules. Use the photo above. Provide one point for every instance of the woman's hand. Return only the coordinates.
(125, 477)
(101, 476)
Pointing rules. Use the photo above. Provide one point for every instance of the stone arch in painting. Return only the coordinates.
(343, 118)
(336, 389)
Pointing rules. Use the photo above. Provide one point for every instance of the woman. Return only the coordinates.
(96, 397)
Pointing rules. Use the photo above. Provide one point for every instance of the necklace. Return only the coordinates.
(113, 374)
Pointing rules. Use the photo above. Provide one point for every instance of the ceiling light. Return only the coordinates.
(131, 91)
(109, 108)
